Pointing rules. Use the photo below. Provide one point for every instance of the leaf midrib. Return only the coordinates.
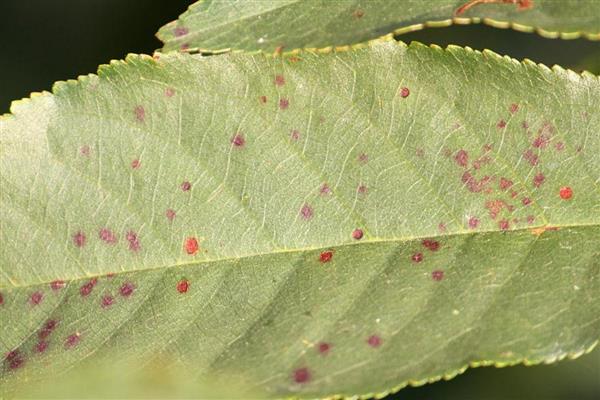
(533, 229)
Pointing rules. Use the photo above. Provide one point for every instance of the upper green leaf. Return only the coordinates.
(217, 25)
(302, 225)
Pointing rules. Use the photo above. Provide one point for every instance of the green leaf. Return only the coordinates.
(217, 25)
(364, 219)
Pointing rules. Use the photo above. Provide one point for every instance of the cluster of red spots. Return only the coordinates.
(374, 341)
(57, 285)
(107, 301)
(279, 80)
(431, 245)
(87, 287)
(140, 113)
(306, 212)
(72, 340)
(183, 286)
(357, 234)
(526, 201)
(503, 224)
(541, 141)
(505, 183)
(106, 235)
(191, 245)
(134, 243)
(238, 140)
(362, 189)
(295, 135)
(180, 31)
(14, 359)
(473, 222)
(513, 108)
(47, 329)
(170, 214)
(127, 289)
(473, 184)
(284, 104)
(186, 186)
(263, 99)
(324, 348)
(36, 298)
(135, 164)
(462, 158)
(437, 275)
(404, 92)
(417, 257)
(325, 189)
(538, 179)
(301, 375)
(363, 158)
(501, 124)
(326, 256)
(79, 239)
(84, 150)
(565, 192)
(531, 157)
(169, 92)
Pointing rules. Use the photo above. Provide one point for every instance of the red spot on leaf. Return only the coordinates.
(404, 92)
(87, 287)
(107, 301)
(526, 201)
(531, 157)
(324, 348)
(186, 186)
(107, 236)
(72, 340)
(47, 329)
(295, 135)
(540, 141)
(462, 158)
(263, 99)
(169, 92)
(14, 359)
(566, 193)
(170, 213)
(284, 104)
(127, 289)
(374, 341)
(84, 150)
(538, 179)
(279, 80)
(183, 286)
(417, 257)
(363, 158)
(325, 189)
(505, 183)
(530, 219)
(238, 140)
(301, 375)
(495, 206)
(140, 113)
(559, 146)
(503, 224)
(57, 285)
(41, 346)
(473, 222)
(362, 189)
(1, 299)
(501, 124)
(134, 243)
(191, 245)
(36, 298)
(184, 46)
(135, 164)
(357, 234)
(306, 212)
(358, 13)
(431, 245)
(326, 256)
(180, 31)
(79, 239)
(437, 275)
(513, 108)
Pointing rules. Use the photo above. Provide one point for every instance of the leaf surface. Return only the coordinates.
(217, 25)
(304, 225)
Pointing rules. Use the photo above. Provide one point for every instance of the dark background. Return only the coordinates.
(48, 40)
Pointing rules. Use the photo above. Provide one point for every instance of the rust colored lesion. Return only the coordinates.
(521, 5)
(541, 229)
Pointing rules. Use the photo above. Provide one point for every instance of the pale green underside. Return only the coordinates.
(259, 299)
(215, 25)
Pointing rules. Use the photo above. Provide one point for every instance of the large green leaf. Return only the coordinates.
(217, 25)
(364, 219)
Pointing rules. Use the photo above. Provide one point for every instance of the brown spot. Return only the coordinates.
(462, 158)
(140, 113)
(279, 80)
(358, 13)
(495, 207)
(284, 104)
(501, 124)
(263, 99)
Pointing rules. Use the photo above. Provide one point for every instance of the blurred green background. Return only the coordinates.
(45, 41)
